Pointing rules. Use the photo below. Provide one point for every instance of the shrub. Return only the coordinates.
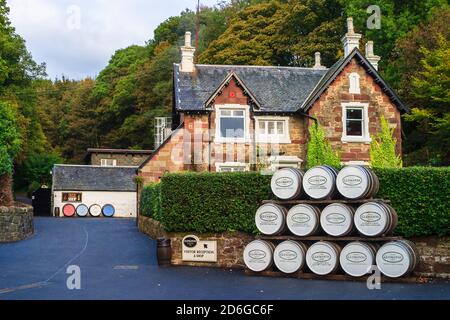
(151, 201)
(319, 149)
(212, 202)
(382, 148)
(421, 197)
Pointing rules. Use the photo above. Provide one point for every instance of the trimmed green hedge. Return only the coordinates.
(212, 202)
(421, 197)
(151, 201)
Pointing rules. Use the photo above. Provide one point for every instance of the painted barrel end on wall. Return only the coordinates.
(95, 210)
(374, 219)
(322, 257)
(357, 182)
(303, 220)
(396, 259)
(357, 258)
(336, 219)
(290, 256)
(319, 183)
(286, 183)
(108, 210)
(82, 210)
(270, 219)
(69, 210)
(258, 255)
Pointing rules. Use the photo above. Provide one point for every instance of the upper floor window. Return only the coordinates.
(273, 129)
(108, 162)
(354, 83)
(355, 120)
(231, 124)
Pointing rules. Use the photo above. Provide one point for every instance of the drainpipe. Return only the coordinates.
(254, 155)
(209, 141)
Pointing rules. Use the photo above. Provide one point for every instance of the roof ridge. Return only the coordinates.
(257, 66)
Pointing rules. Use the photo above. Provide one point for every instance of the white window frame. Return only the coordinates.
(365, 122)
(276, 138)
(354, 80)
(104, 162)
(219, 166)
(246, 138)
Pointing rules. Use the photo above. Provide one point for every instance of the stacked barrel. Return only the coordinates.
(326, 221)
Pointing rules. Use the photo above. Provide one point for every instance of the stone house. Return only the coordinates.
(238, 118)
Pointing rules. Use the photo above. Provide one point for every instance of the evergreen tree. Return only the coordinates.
(382, 148)
(319, 149)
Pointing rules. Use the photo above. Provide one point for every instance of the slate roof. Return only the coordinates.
(334, 71)
(93, 178)
(276, 89)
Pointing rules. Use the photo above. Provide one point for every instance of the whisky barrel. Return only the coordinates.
(258, 255)
(322, 257)
(108, 210)
(270, 219)
(397, 258)
(69, 210)
(95, 210)
(357, 182)
(319, 183)
(336, 219)
(374, 219)
(303, 220)
(82, 210)
(289, 256)
(357, 258)
(286, 183)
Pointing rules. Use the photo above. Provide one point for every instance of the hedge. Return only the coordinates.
(213, 202)
(151, 201)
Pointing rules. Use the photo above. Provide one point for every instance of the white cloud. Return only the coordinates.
(53, 35)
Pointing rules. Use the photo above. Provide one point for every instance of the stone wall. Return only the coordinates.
(434, 252)
(16, 223)
(328, 110)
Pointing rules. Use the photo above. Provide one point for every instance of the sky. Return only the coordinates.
(76, 38)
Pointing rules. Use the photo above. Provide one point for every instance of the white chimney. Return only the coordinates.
(373, 59)
(351, 39)
(187, 54)
(317, 65)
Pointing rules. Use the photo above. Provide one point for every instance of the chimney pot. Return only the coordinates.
(317, 64)
(187, 39)
(351, 39)
(373, 59)
(350, 27)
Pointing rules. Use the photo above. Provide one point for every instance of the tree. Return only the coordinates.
(382, 148)
(10, 144)
(431, 88)
(319, 149)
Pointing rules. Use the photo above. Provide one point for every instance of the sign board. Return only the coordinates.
(198, 251)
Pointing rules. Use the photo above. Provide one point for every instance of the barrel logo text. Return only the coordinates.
(352, 180)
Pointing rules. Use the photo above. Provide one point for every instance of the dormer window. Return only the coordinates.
(354, 83)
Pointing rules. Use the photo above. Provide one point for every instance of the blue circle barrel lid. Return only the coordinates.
(82, 210)
(108, 210)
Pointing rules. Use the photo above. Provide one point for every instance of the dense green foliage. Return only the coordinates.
(207, 202)
(212, 202)
(150, 205)
(421, 198)
(10, 139)
(382, 148)
(319, 149)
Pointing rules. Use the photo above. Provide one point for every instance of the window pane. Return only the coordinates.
(280, 127)
(238, 113)
(354, 127)
(354, 114)
(262, 127)
(271, 127)
(225, 112)
(232, 127)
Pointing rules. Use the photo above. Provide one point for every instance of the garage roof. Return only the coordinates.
(93, 178)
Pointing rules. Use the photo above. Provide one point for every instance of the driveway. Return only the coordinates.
(118, 262)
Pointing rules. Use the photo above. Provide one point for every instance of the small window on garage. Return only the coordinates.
(71, 197)
(108, 162)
